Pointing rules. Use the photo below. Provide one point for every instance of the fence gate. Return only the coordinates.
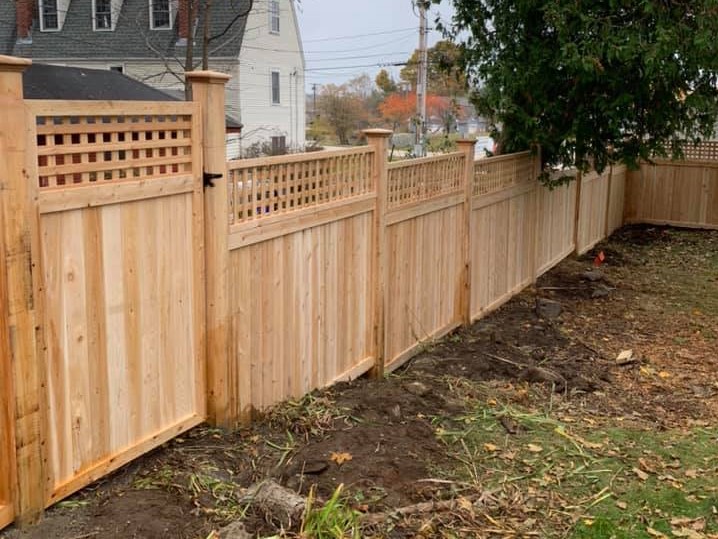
(121, 242)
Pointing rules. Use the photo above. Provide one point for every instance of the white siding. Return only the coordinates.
(263, 52)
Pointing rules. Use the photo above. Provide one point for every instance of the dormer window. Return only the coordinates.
(274, 16)
(49, 19)
(161, 12)
(103, 14)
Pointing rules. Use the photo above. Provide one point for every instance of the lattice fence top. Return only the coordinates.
(263, 187)
(92, 143)
(703, 151)
(415, 180)
(497, 173)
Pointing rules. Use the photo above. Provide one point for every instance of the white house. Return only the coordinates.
(256, 42)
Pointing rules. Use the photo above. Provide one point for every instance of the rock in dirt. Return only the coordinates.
(626, 357)
(600, 291)
(284, 505)
(417, 388)
(548, 308)
(592, 276)
(235, 530)
(539, 375)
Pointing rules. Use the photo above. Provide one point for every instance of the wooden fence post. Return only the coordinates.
(21, 238)
(378, 139)
(577, 214)
(208, 90)
(538, 168)
(468, 148)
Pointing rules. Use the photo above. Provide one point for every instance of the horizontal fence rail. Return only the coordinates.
(262, 187)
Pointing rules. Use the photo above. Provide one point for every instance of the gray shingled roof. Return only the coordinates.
(132, 37)
(41, 81)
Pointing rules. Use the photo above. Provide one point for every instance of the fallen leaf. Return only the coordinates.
(655, 533)
(340, 458)
(621, 505)
(534, 448)
(640, 473)
(691, 473)
(588, 522)
(490, 447)
(664, 374)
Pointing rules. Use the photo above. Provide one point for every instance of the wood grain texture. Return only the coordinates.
(300, 311)
(7, 420)
(503, 255)
(681, 193)
(591, 226)
(555, 222)
(425, 258)
(120, 319)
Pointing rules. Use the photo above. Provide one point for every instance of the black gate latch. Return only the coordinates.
(209, 178)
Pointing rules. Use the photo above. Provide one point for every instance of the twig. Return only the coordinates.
(504, 360)
(426, 507)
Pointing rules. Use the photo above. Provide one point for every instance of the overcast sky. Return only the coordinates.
(345, 38)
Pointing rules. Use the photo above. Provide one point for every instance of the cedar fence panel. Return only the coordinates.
(503, 230)
(556, 210)
(591, 226)
(120, 226)
(424, 252)
(617, 198)
(678, 193)
(301, 274)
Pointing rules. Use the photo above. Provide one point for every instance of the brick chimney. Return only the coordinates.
(183, 22)
(24, 11)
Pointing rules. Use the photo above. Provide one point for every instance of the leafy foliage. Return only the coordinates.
(593, 82)
(445, 74)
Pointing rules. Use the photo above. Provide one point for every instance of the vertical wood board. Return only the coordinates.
(120, 321)
(425, 264)
(300, 309)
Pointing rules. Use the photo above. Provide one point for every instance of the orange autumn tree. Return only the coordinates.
(399, 109)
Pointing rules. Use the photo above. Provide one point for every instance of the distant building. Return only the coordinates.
(260, 49)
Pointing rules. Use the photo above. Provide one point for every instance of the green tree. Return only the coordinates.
(385, 82)
(593, 82)
(445, 76)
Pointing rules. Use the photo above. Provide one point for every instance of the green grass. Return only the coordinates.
(594, 481)
(333, 520)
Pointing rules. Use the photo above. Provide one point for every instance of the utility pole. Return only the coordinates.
(420, 143)
(314, 102)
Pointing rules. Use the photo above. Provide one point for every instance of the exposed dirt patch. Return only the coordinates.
(656, 294)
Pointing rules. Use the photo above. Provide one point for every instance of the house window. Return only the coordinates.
(103, 14)
(279, 145)
(161, 14)
(48, 15)
(275, 88)
(274, 16)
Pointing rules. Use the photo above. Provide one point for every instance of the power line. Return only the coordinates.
(357, 36)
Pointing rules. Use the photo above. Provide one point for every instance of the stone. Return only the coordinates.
(600, 291)
(234, 530)
(548, 308)
(592, 276)
(417, 388)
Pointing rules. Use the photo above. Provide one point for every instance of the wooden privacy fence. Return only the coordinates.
(679, 193)
(140, 300)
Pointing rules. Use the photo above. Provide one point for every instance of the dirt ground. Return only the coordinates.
(392, 442)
